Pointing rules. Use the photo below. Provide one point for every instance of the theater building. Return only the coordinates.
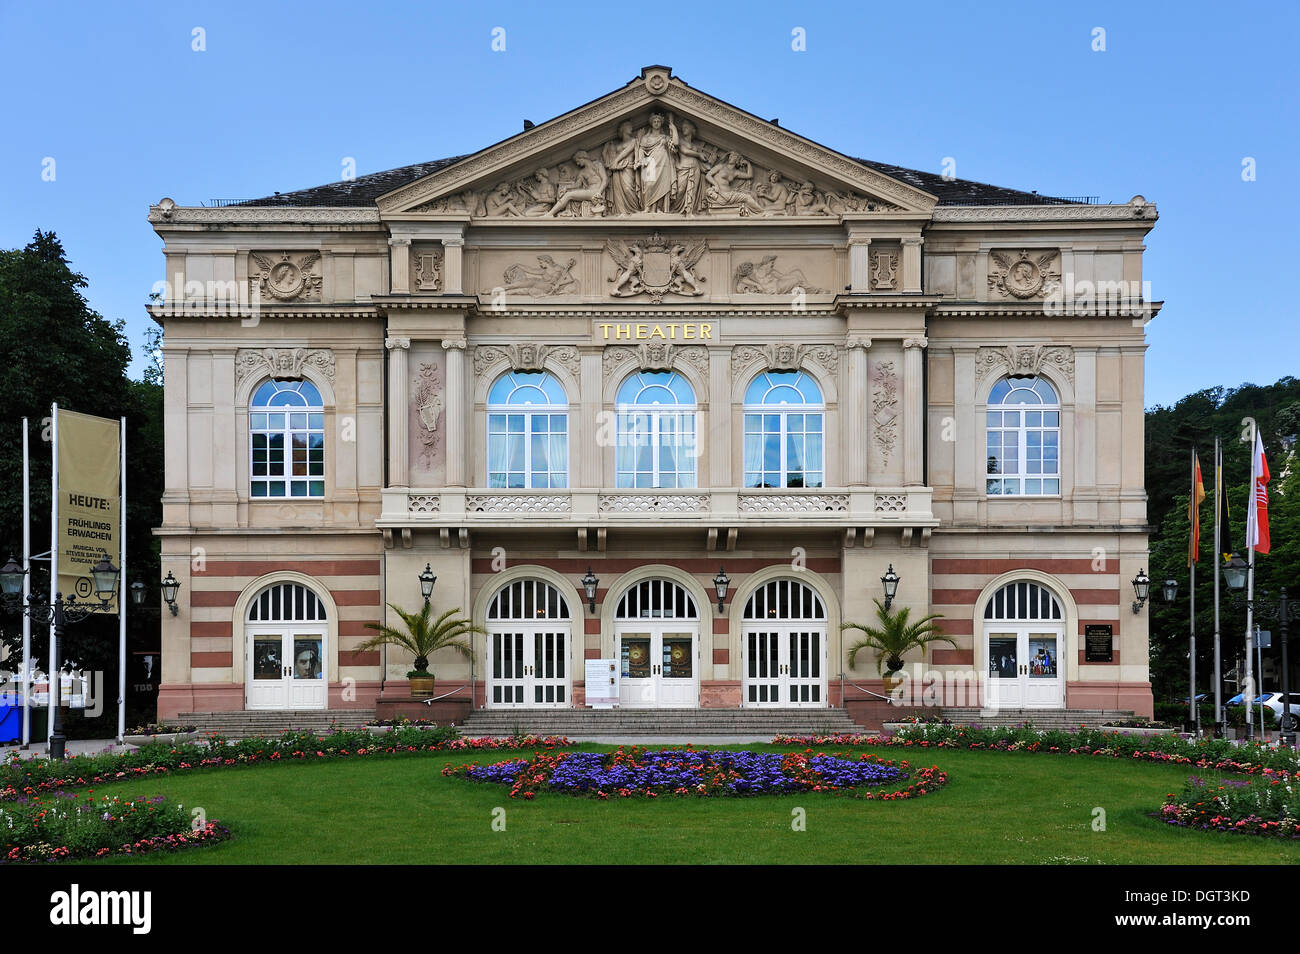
(664, 340)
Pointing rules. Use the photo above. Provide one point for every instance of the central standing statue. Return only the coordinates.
(656, 152)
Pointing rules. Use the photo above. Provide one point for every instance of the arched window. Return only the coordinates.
(287, 435)
(1024, 437)
(1023, 600)
(656, 444)
(784, 431)
(528, 431)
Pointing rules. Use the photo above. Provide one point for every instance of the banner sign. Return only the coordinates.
(89, 501)
(602, 683)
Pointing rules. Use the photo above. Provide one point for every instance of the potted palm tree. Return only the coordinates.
(422, 637)
(895, 636)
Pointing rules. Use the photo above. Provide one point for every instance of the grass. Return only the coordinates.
(998, 808)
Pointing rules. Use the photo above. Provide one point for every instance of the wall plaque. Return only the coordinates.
(1097, 640)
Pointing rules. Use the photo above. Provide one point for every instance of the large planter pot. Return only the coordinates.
(892, 683)
(168, 738)
(421, 685)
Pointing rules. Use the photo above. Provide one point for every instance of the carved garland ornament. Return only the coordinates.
(884, 408)
(527, 356)
(428, 407)
(286, 276)
(1024, 360)
(283, 363)
(654, 356)
(785, 357)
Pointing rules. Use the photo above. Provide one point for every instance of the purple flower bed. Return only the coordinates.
(683, 772)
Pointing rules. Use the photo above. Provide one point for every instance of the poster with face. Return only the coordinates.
(307, 658)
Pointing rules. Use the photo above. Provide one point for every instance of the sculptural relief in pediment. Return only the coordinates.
(658, 167)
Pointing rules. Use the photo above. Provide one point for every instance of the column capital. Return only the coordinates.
(909, 343)
(911, 240)
(454, 344)
(396, 240)
(856, 342)
(402, 343)
(453, 240)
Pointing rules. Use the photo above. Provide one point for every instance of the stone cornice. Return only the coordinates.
(274, 215)
(993, 309)
(1044, 213)
(208, 310)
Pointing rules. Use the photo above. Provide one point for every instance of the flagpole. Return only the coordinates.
(1218, 547)
(1252, 529)
(29, 668)
(121, 603)
(56, 684)
(1193, 526)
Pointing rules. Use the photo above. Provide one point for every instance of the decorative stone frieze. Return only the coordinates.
(1027, 274)
(764, 278)
(527, 356)
(884, 408)
(284, 363)
(785, 357)
(655, 266)
(884, 270)
(548, 278)
(1024, 360)
(428, 404)
(286, 276)
(426, 269)
(654, 356)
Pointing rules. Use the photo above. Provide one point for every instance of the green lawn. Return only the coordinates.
(998, 807)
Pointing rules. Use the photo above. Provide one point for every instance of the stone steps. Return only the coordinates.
(658, 722)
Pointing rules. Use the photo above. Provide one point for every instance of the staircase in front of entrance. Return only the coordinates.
(241, 725)
(760, 724)
(1066, 719)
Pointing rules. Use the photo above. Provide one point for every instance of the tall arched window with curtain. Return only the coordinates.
(528, 431)
(287, 438)
(1023, 438)
(656, 444)
(784, 431)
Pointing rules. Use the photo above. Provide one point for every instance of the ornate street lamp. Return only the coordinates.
(138, 593)
(1141, 589)
(589, 583)
(1170, 590)
(427, 579)
(170, 586)
(890, 582)
(59, 613)
(720, 583)
(1234, 573)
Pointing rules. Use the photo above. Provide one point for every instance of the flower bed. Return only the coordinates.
(635, 772)
(27, 777)
(64, 827)
(1268, 804)
(1219, 754)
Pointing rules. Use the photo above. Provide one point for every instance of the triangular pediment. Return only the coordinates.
(656, 148)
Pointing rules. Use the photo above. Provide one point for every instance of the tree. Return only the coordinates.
(55, 348)
(422, 636)
(895, 636)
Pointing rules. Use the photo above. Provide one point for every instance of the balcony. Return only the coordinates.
(830, 507)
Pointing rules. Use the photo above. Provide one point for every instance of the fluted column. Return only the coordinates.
(913, 412)
(857, 396)
(398, 349)
(455, 410)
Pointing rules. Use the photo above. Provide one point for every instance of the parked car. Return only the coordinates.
(1273, 701)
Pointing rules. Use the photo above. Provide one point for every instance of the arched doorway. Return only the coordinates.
(528, 644)
(285, 631)
(657, 640)
(1024, 638)
(783, 646)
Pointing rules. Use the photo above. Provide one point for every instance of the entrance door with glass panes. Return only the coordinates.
(1024, 640)
(783, 647)
(528, 647)
(286, 636)
(656, 640)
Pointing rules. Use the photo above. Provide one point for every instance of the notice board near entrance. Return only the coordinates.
(1098, 642)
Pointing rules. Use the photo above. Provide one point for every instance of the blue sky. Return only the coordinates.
(1014, 92)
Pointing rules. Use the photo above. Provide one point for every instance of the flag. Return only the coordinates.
(1194, 512)
(1225, 523)
(1257, 515)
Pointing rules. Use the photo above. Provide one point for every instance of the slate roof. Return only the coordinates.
(364, 190)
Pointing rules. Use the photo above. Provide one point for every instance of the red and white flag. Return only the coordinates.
(1257, 513)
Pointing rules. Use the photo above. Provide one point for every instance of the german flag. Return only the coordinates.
(1194, 512)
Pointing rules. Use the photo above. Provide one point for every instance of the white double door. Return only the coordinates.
(528, 666)
(659, 665)
(1025, 669)
(784, 666)
(286, 668)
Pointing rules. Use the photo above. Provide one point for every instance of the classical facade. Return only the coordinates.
(665, 341)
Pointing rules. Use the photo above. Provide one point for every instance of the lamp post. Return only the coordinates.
(890, 583)
(59, 613)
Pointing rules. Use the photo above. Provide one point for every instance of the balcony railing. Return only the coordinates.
(832, 506)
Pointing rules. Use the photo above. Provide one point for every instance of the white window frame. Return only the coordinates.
(1022, 430)
(528, 411)
(784, 409)
(648, 420)
(286, 433)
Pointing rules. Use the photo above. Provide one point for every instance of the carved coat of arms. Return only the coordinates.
(656, 267)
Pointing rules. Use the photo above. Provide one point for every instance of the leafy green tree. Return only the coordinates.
(896, 635)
